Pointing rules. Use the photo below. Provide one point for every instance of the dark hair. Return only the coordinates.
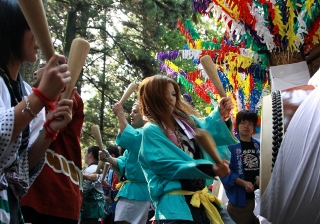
(12, 27)
(121, 150)
(113, 149)
(246, 115)
(95, 151)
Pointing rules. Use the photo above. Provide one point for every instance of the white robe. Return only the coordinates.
(9, 150)
(293, 193)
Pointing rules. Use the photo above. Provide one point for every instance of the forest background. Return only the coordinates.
(124, 37)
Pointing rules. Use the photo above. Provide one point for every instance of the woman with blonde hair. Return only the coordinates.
(175, 166)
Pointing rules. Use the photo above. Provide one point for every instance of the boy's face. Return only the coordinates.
(246, 128)
(86, 157)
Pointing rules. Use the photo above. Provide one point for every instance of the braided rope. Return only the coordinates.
(277, 127)
(60, 164)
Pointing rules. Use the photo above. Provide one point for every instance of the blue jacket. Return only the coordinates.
(164, 165)
(235, 193)
(129, 166)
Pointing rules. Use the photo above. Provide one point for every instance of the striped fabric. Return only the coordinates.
(4, 207)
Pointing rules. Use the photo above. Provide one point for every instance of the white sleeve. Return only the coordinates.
(292, 195)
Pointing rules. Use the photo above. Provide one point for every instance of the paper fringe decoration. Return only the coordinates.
(274, 25)
(242, 71)
(271, 25)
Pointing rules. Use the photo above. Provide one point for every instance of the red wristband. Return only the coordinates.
(50, 133)
(48, 103)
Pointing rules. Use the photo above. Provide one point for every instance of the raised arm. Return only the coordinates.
(118, 110)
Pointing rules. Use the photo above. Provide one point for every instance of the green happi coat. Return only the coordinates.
(165, 164)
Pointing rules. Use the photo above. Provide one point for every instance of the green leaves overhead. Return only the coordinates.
(124, 36)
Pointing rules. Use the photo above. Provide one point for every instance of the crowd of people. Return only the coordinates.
(157, 171)
(163, 165)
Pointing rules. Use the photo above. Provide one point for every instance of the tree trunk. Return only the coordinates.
(70, 31)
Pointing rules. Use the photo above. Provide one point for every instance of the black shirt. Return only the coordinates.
(250, 164)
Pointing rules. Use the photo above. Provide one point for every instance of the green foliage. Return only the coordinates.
(124, 37)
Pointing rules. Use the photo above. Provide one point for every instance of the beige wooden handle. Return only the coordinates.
(95, 130)
(130, 89)
(211, 70)
(34, 13)
(208, 144)
(77, 57)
